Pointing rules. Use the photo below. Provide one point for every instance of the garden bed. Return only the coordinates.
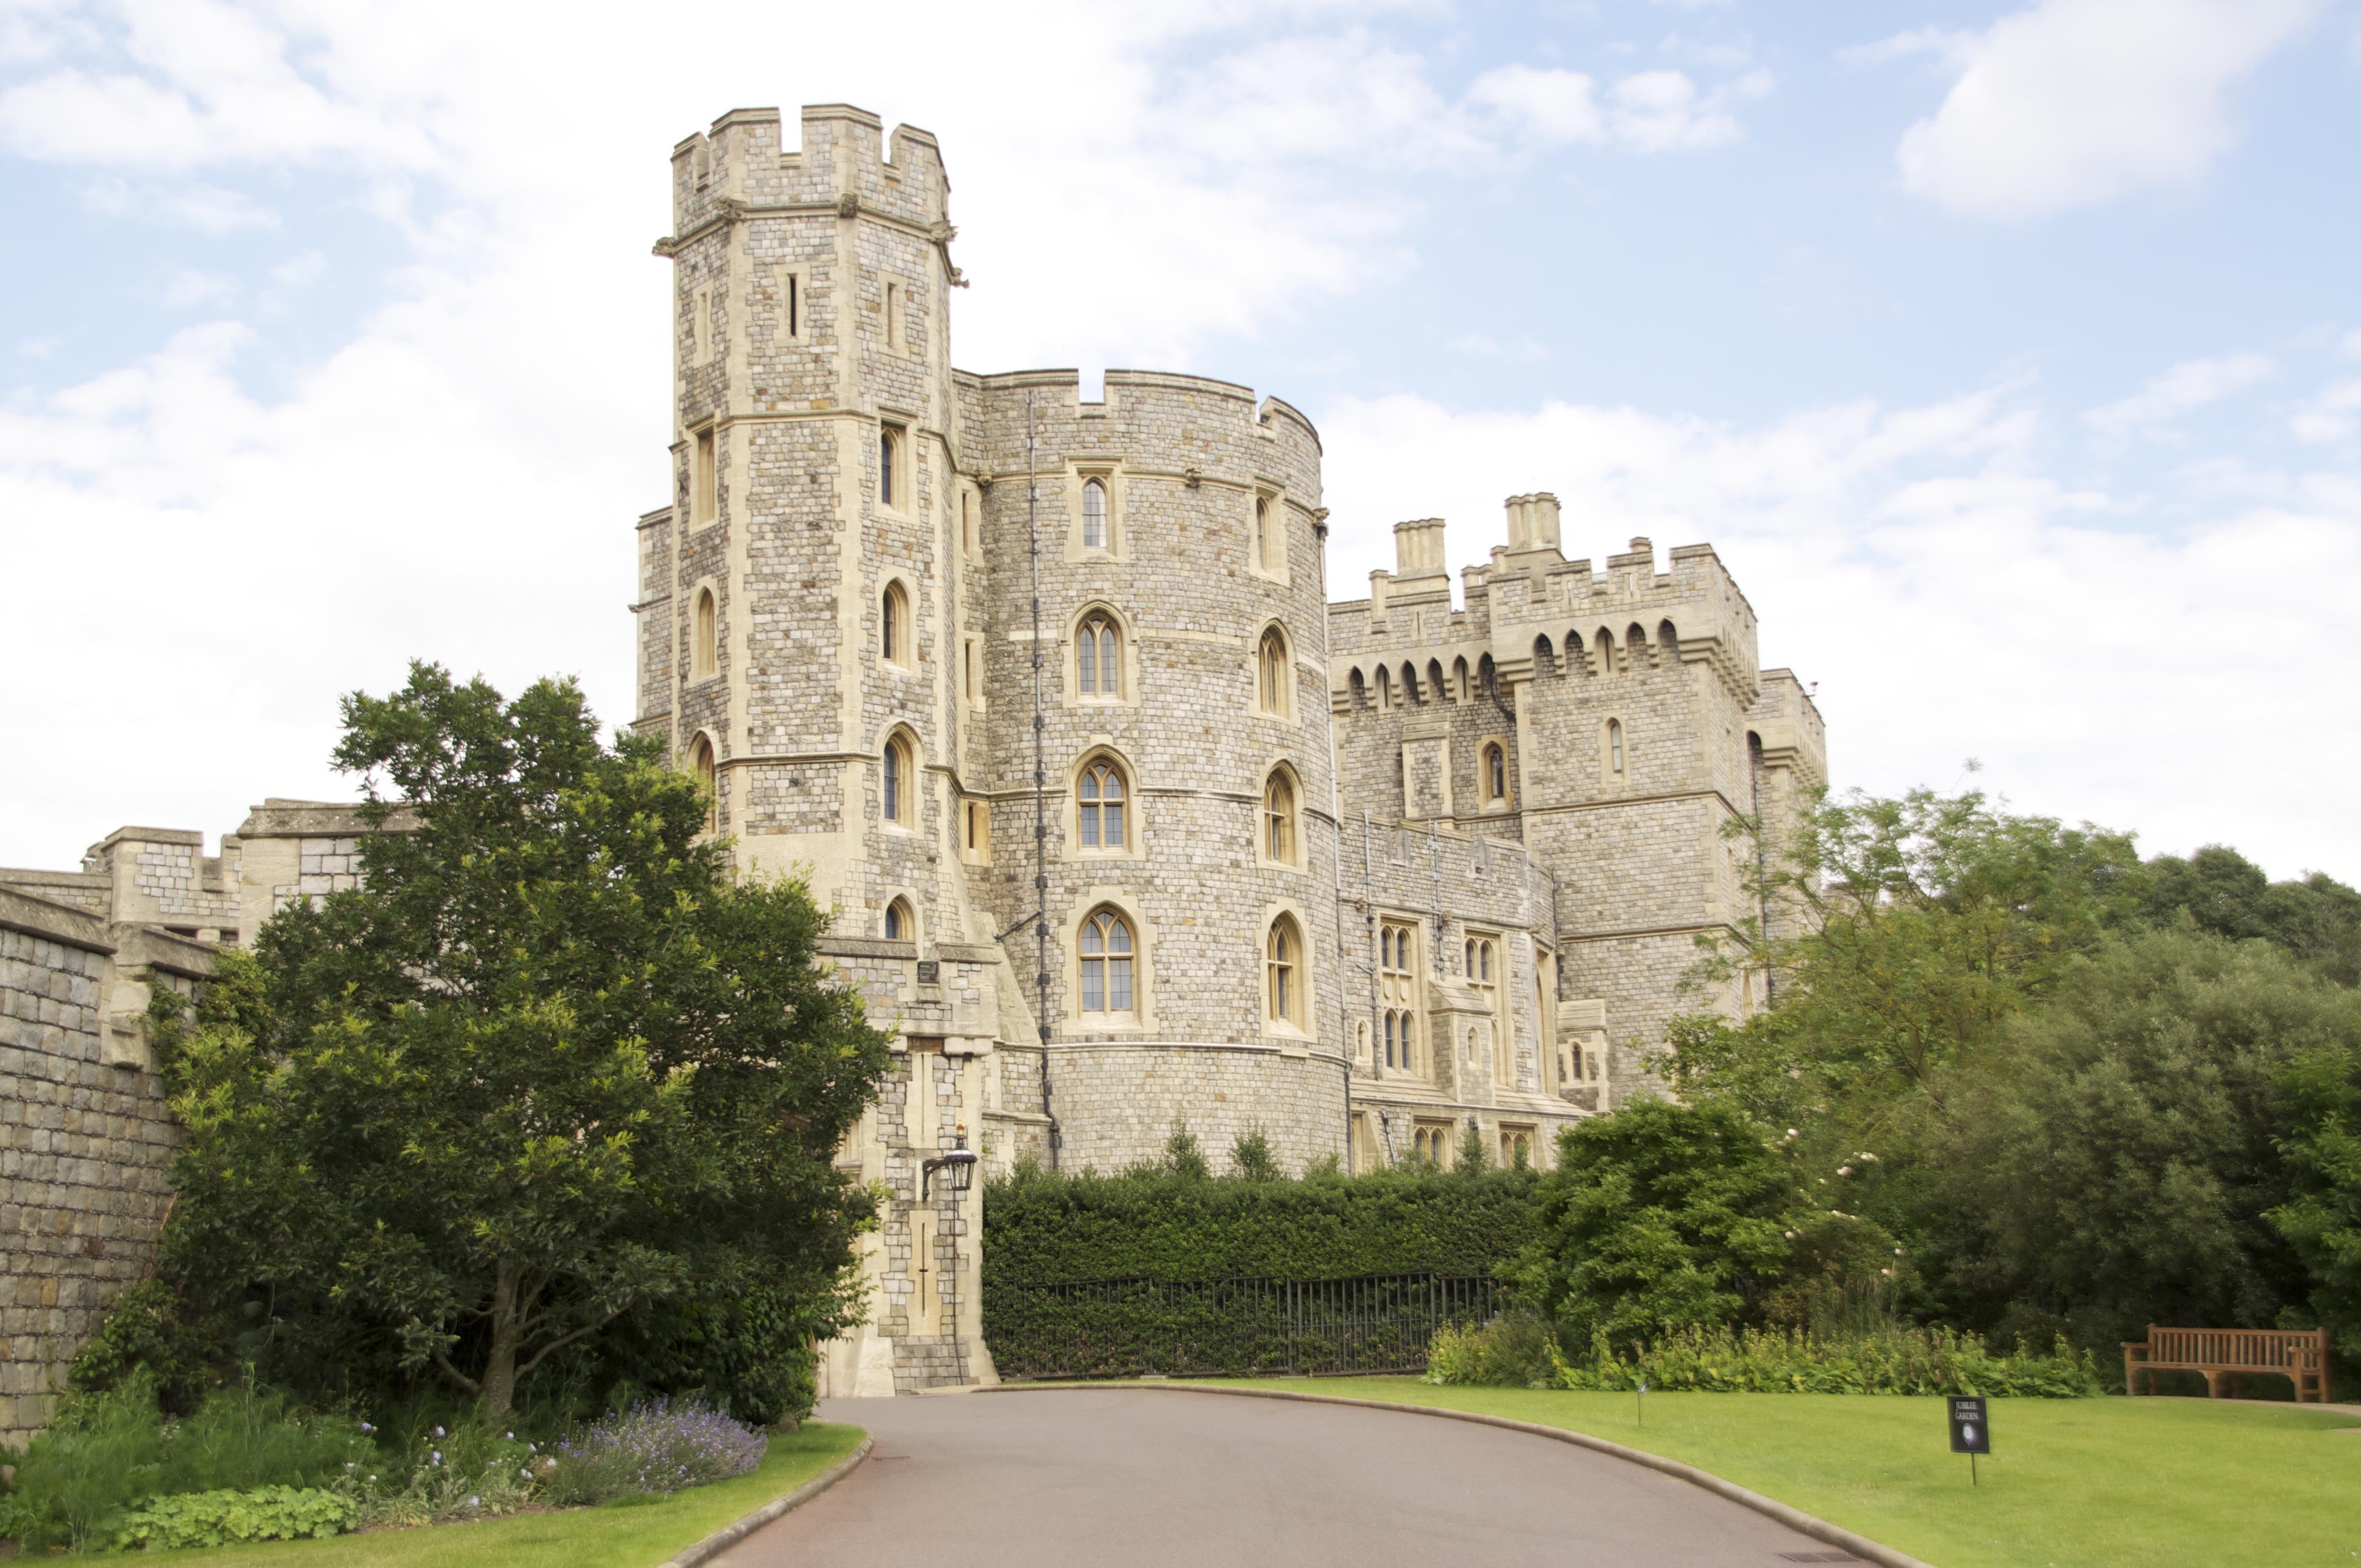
(631, 1533)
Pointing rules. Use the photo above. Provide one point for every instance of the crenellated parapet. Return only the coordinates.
(1530, 611)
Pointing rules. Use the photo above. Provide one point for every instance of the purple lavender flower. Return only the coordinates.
(688, 1444)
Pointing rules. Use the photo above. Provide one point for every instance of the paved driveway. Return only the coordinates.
(1116, 1477)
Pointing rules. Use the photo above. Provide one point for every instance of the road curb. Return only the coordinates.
(1794, 1518)
(730, 1534)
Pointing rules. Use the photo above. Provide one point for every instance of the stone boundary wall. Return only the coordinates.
(85, 1135)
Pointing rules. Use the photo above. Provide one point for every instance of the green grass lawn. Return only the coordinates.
(2149, 1483)
(638, 1536)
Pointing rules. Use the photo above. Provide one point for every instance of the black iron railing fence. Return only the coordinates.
(1123, 1328)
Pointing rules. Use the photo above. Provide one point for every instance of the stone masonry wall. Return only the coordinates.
(84, 1139)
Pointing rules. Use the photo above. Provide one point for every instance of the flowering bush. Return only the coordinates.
(464, 1473)
(657, 1447)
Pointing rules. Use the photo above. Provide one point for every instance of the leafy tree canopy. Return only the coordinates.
(2317, 918)
(1903, 934)
(549, 1075)
(2117, 1169)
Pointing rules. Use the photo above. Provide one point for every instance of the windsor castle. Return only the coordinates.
(1125, 823)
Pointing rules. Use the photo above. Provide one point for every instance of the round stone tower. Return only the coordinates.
(1185, 816)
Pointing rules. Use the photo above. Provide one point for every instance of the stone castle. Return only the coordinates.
(1124, 824)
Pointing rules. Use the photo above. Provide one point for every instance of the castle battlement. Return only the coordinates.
(1529, 608)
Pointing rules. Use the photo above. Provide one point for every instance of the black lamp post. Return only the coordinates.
(958, 1168)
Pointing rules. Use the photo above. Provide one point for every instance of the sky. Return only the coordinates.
(2009, 353)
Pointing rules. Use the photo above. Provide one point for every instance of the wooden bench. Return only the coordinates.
(2300, 1355)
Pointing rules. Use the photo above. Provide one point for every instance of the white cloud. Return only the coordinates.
(210, 209)
(2332, 416)
(1951, 598)
(1662, 111)
(189, 288)
(1547, 106)
(1650, 111)
(1953, 48)
(2190, 385)
(2076, 102)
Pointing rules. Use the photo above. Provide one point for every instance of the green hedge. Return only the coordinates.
(1046, 1230)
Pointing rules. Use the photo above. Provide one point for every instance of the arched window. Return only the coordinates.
(1283, 971)
(1272, 692)
(900, 924)
(1094, 514)
(1098, 658)
(700, 764)
(1615, 745)
(1606, 651)
(703, 661)
(894, 625)
(889, 460)
(1099, 805)
(1459, 680)
(899, 781)
(1389, 1037)
(1107, 957)
(1435, 680)
(1279, 819)
(1496, 772)
(1267, 536)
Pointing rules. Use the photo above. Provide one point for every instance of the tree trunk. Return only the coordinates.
(499, 1366)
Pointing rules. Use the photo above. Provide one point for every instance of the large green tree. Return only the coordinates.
(1904, 933)
(2116, 1168)
(549, 1072)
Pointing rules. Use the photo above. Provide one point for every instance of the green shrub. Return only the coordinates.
(218, 1519)
(100, 1456)
(148, 1326)
(109, 1451)
(1777, 1361)
(243, 1437)
(1515, 1349)
(1659, 1216)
